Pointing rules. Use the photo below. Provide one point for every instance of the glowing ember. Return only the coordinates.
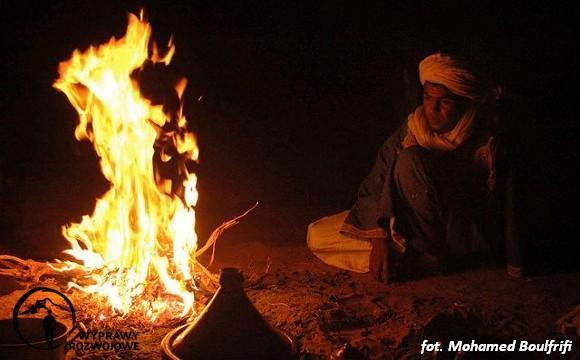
(138, 247)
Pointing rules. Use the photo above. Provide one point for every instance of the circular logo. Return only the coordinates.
(36, 318)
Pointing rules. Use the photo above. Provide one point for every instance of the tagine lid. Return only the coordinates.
(230, 327)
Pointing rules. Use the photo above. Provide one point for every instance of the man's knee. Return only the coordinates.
(313, 235)
(410, 161)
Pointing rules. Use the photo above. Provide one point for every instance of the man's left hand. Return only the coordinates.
(379, 260)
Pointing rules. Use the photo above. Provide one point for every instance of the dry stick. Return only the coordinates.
(211, 242)
(8, 268)
(23, 269)
(220, 230)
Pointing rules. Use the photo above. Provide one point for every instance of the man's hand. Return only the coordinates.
(379, 260)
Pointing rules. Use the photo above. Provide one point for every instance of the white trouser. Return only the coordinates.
(336, 249)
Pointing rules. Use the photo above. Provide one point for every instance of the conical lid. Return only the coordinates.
(230, 327)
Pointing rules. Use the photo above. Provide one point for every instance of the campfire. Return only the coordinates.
(135, 255)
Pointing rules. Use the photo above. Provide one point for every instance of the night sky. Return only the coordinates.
(297, 96)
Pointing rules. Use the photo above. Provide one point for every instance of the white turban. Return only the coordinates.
(450, 72)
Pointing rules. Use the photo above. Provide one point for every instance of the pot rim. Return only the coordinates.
(57, 339)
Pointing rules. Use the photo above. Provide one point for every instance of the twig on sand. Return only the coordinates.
(278, 304)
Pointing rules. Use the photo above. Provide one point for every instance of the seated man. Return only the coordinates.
(427, 194)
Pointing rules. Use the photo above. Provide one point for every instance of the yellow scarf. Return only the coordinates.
(429, 139)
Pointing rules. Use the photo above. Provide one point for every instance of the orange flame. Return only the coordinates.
(141, 237)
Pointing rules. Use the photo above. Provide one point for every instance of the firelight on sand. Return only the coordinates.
(138, 248)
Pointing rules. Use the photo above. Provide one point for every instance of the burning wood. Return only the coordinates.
(137, 250)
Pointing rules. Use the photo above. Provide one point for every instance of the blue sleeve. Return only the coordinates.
(374, 200)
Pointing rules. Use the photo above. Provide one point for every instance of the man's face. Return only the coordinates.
(442, 108)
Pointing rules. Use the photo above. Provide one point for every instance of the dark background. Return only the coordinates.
(297, 99)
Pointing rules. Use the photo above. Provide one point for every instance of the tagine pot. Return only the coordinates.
(229, 327)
